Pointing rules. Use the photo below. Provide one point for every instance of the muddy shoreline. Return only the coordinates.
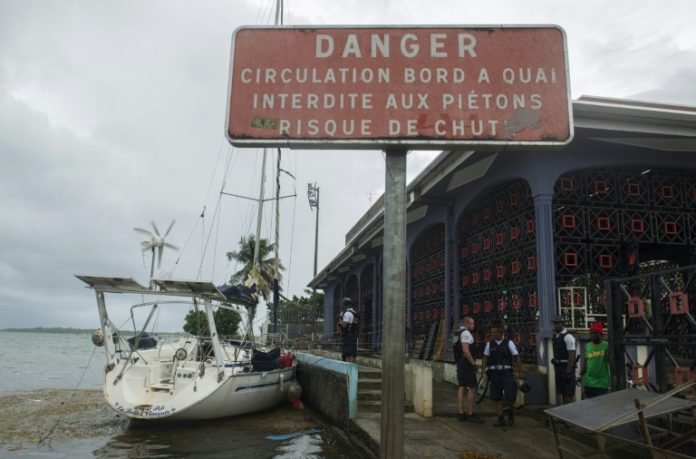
(81, 424)
(28, 417)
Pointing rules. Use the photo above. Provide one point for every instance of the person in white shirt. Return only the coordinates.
(466, 371)
(498, 358)
(348, 326)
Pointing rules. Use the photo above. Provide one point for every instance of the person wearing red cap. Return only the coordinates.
(594, 371)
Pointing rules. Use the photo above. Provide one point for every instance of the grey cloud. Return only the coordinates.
(112, 114)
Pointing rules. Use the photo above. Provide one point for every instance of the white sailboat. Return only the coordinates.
(190, 377)
(187, 377)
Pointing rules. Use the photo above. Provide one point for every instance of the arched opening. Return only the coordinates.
(497, 256)
(367, 305)
(337, 297)
(427, 271)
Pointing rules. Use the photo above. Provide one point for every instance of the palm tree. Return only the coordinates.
(263, 275)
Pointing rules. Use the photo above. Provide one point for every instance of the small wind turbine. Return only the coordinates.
(155, 243)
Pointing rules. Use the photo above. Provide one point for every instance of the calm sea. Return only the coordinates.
(58, 361)
(49, 361)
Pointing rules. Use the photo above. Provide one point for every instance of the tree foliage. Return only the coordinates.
(262, 277)
(306, 309)
(226, 321)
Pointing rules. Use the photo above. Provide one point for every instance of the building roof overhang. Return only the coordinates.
(621, 121)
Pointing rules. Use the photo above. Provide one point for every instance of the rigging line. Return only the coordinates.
(226, 272)
(249, 219)
(207, 239)
(202, 244)
(212, 178)
(219, 215)
(215, 245)
(287, 8)
(261, 12)
(155, 324)
(292, 231)
(183, 249)
(270, 12)
(60, 418)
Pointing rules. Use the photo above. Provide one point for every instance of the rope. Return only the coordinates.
(183, 249)
(60, 418)
(215, 244)
(207, 239)
(292, 231)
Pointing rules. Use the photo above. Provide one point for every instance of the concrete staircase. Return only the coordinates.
(370, 391)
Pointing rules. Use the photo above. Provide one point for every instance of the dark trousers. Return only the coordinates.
(591, 392)
(349, 346)
(503, 385)
(565, 382)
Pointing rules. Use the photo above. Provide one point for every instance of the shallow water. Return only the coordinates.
(49, 361)
(32, 361)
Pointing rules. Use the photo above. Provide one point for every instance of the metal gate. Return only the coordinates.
(652, 330)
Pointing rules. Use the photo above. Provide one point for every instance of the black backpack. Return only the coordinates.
(352, 328)
(457, 347)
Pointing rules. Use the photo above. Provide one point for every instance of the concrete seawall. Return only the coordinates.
(329, 386)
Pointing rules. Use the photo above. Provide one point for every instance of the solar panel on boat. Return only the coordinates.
(107, 283)
(192, 287)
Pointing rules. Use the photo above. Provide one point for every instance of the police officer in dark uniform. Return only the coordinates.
(563, 360)
(498, 358)
(348, 325)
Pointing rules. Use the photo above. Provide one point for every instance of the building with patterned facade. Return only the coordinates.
(519, 236)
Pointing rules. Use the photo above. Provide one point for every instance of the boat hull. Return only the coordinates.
(193, 395)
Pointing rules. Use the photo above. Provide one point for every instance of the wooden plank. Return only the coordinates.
(440, 343)
(429, 342)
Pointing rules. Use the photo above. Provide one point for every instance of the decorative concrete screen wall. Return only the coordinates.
(337, 306)
(366, 306)
(427, 267)
(497, 253)
(619, 222)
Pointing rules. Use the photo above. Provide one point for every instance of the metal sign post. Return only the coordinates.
(394, 288)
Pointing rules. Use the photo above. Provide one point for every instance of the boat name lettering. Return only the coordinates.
(149, 412)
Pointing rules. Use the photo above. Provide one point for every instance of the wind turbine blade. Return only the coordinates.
(171, 246)
(159, 257)
(143, 231)
(170, 228)
(155, 227)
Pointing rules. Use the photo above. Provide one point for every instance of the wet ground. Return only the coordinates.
(64, 423)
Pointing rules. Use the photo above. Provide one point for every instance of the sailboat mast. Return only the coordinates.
(276, 267)
(260, 210)
(278, 21)
(257, 240)
(276, 264)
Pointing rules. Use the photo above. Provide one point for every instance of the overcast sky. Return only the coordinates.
(112, 115)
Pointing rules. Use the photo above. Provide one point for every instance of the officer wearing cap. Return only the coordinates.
(594, 370)
(563, 360)
(348, 325)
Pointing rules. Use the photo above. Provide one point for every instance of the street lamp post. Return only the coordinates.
(313, 196)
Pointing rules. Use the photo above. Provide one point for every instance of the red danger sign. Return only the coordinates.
(418, 87)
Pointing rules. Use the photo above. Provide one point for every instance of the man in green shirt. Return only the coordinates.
(594, 372)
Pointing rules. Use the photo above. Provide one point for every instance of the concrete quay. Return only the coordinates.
(443, 436)
(431, 426)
